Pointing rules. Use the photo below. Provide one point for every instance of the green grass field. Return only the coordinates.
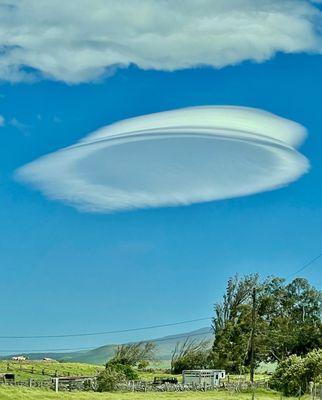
(22, 370)
(8, 393)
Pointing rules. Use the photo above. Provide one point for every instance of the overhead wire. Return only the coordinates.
(167, 338)
(106, 332)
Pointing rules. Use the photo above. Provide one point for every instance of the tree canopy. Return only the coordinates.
(287, 321)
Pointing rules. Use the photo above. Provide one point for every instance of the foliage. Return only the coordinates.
(134, 353)
(191, 354)
(232, 325)
(287, 321)
(291, 318)
(295, 372)
(127, 370)
(143, 364)
(108, 380)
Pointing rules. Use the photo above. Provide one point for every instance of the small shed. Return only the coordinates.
(209, 377)
(18, 358)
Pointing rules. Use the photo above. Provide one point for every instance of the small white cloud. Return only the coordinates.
(2, 120)
(80, 41)
(173, 158)
(19, 125)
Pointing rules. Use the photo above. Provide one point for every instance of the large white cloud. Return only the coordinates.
(78, 41)
(177, 157)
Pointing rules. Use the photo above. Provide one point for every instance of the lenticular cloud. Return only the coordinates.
(173, 158)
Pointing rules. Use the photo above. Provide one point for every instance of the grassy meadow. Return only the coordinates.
(22, 369)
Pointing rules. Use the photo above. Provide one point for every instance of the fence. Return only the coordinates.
(90, 383)
(141, 386)
(57, 384)
(18, 367)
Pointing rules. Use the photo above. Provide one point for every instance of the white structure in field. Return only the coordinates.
(210, 377)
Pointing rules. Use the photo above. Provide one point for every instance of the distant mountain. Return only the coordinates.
(165, 346)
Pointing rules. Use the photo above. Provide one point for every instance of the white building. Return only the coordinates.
(210, 377)
(19, 358)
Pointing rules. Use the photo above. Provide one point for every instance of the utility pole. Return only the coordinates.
(252, 336)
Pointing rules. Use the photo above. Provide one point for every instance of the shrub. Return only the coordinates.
(143, 364)
(128, 371)
(108, 379)
(294, 373)
(190, 355)
(134, 353)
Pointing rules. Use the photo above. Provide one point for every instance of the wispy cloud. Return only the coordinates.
(2, 120)
(24, 128)
(80, 41)
(173, 158)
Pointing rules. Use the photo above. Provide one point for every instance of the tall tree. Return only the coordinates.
(232, 324)
(134, 353)
(288, 321)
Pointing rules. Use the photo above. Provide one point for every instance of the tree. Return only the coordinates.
(287, 320)
(108, 380)
(191, 354)
(134, 353)
(233, 325)
(291, 318)
(121, 367)
(294, 374)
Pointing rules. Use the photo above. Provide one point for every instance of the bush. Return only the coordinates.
(190, 355)
(294, 373)
(128, 371)
(134, 353)
(143, 365)
(108, 379)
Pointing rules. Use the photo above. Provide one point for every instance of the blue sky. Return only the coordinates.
(64, 271)
(67, 271)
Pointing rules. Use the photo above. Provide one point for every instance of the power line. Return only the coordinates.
(105, 332)
(312, 261)
(130, 329)
(168, 338)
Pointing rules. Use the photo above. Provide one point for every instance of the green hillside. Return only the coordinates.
(100, 355)
(42, 370)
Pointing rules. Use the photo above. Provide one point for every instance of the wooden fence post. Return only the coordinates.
(30, 382)
(56, 381)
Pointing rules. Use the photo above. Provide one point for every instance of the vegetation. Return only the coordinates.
(108, 379)
(294, 374)
(287, 321)
(121, 367)
(192, 354)
(134, 354)
(257, 322)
